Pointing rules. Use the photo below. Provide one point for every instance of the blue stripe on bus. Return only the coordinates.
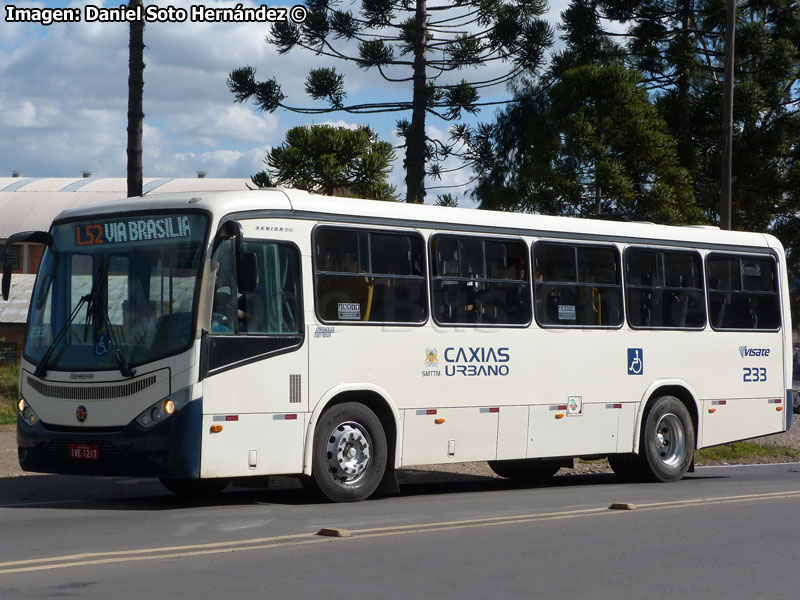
(789, 408)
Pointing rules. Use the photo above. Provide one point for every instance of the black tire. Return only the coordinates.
(350, 453)
(533, 471)
(667, 444)
(195, 489)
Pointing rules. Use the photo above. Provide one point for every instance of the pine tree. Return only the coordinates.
(409, 44)
(332, 161)
(766, 123)
(591, 145)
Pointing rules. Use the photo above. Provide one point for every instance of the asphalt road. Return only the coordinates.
(720, 533)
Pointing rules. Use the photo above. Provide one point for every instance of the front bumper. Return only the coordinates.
(170, 449)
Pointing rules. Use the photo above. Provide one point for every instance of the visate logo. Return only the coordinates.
(750, 352)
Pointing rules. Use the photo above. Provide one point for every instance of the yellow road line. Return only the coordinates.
(302, 539)
(218, 545)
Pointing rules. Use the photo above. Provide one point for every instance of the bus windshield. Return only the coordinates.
(116, 292)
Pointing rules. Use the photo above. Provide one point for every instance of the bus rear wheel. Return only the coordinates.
(667, 445)
(350, 453)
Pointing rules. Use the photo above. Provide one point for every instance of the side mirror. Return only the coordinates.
(30, 237)
(228, 230)
(6, 280)
(246, 273)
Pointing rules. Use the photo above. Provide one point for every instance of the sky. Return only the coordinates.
(63, 98)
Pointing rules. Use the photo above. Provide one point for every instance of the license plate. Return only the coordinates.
(84, 452)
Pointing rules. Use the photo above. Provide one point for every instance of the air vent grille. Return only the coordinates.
(294, 389)
(91, 391)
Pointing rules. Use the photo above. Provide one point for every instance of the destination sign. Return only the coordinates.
(133, 230)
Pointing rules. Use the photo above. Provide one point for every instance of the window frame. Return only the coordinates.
(301, 311)
(50, 279)
(423, 277)
(579, 244)
(221, 352)
(482, 238)
(744, 256)
(672, 250)
(299, 301)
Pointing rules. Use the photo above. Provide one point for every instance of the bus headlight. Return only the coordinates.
(27, 413)
(154, 414)
(163, 409)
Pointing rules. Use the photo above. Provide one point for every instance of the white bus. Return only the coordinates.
(203, 338)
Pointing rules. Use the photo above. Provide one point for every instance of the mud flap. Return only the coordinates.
(388, 485)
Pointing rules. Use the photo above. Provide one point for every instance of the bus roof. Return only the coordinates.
(300, 204)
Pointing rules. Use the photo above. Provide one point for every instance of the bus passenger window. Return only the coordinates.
(577, 285)
(664, 289)
(742, 292)
(369, 276)
(478, 280)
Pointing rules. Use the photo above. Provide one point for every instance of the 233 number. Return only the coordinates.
(754, 374)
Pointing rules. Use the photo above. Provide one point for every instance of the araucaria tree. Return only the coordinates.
(332, 161)
(417, 47)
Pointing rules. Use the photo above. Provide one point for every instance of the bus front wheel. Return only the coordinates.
(668, 439)
(350, 453)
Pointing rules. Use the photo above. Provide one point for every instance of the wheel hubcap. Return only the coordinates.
(669, 441)
(349, 452)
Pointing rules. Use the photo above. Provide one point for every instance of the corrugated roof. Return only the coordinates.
(15, 310)
(32, 203)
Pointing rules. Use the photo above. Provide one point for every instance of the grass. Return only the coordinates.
(746, 452)
(9, 392)
(737, 453)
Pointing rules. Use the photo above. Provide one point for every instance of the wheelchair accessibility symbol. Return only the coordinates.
(101, 347)
(635, 361)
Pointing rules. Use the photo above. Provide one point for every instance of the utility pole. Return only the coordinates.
(727, 121)
(135, 114)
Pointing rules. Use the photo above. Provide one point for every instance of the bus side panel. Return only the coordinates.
(260, 444)
(512, 432)
(740, 419)
(627, 425)
(263, 386)
(587, 369)
(555, 432)
(262, 408)
(742, 393)
(449, 435)
(400, 360)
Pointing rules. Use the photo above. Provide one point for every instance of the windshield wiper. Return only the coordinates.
(93, 303)
(97, 306)
(41, 368)
(116, 351)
